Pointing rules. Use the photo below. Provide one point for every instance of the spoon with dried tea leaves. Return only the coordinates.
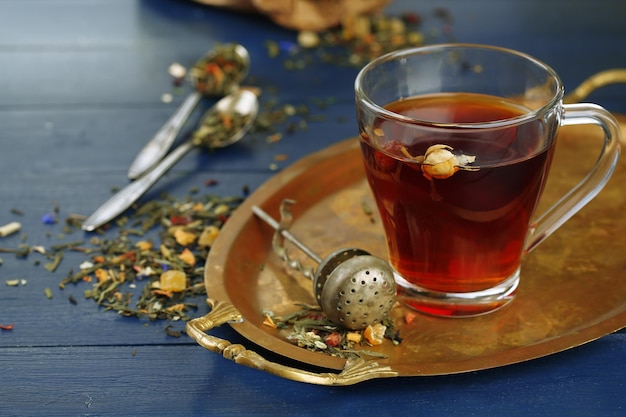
(222, 125)
(216, 74)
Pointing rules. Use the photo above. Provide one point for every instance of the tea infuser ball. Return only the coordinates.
(353, 288)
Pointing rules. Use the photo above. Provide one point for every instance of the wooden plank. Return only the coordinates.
(143, 380)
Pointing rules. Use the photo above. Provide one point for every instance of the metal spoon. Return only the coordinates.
(242, 104)
(161, 142)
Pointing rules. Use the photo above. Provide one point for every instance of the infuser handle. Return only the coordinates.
(555, 216)
(260, 213)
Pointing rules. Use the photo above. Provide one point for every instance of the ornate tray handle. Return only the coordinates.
(355, 370)
(598, 80)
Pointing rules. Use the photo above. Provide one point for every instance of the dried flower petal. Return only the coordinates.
(168, 294)
(268, 321)
(375, 334)
(332, 339)
(409, 317)
(174, 281)
(86, 265)
(165, 251)
(354, 337)
(184, 237)
(177, 307)
(101, 274)
(48, 218)
(176, 70)
(144, 245)
(10, 228)
(188, 257)
(208, 236)
(308, 39)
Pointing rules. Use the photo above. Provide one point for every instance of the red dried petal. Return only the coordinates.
(333, 339)
(180, 220)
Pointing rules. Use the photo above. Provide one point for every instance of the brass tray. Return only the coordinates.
(572, 288)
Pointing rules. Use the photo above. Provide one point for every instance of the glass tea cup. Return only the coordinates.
(457, 142)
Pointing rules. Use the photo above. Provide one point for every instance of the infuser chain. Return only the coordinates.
(281, 233)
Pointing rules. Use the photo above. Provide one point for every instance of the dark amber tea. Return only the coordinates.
(463, 231)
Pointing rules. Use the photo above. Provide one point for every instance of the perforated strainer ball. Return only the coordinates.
(354, 288)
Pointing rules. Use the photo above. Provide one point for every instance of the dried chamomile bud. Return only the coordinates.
(439, 162)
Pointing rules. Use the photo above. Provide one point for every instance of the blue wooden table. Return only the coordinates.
(81, 86)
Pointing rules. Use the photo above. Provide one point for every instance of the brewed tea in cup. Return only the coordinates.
(457, 142)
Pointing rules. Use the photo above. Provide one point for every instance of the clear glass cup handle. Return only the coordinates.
(592, 184)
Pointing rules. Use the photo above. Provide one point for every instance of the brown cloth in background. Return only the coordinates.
(314, 15)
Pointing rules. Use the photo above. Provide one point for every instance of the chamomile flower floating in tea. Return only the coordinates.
(439, 162)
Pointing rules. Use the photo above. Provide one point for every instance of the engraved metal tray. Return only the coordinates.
(572, 289)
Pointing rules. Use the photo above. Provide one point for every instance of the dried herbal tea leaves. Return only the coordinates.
(310, 329)
(360, 39)
(138, 277)
(219, 73)
(216, 128)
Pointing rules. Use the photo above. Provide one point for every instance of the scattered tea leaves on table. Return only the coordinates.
(48, 218)
(52, 266)
(6, 327)
(177, 72)
(139, 277)
(360, 39)
(10, 228)
(169, 330)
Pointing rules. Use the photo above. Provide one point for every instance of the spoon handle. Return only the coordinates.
(124, 198)
(161, 142)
